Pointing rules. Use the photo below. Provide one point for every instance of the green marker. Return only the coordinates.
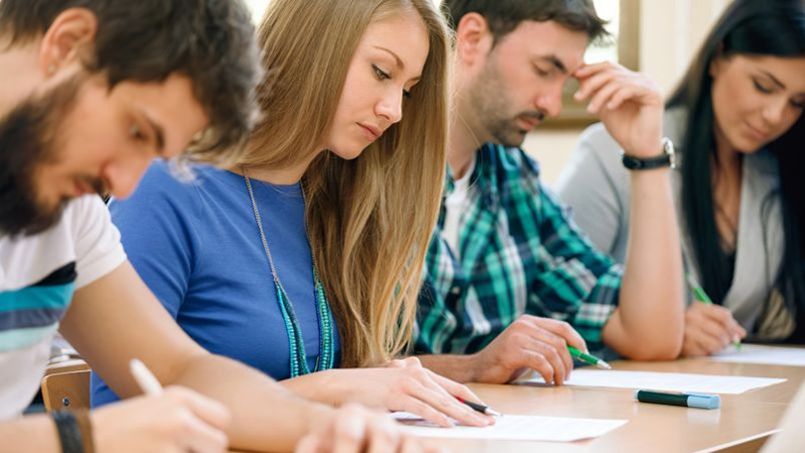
(701, 296)
(587, 358)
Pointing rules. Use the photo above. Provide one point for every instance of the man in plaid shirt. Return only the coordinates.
(510, 281)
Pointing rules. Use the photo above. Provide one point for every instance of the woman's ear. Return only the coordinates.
(67, 40)
(717, 62)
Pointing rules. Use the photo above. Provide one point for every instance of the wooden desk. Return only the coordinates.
(743, 423)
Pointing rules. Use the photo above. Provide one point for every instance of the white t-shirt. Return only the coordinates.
(455, 205)
(38, 275)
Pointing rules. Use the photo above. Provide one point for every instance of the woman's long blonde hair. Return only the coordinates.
(369, 219)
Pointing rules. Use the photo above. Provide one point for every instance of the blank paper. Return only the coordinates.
(669, 382)
(766, 355)
(516, 427)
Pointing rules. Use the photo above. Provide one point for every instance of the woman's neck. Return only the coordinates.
(274, 175)
(729, 161)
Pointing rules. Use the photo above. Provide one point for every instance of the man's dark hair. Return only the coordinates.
(503, 16)
(209, 41)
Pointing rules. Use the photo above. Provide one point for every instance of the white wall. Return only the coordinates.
(671, 33)
(552, 149)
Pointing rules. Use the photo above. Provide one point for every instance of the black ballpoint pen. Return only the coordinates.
(486, 410)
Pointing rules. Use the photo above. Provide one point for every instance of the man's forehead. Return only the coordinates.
(550, 42)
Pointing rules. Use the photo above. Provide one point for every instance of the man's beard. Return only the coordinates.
(493, 107)
(28, 138)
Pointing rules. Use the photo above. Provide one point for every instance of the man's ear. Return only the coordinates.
(474, 39)
(67, 40)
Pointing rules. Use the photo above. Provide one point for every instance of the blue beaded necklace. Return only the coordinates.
(296, 345)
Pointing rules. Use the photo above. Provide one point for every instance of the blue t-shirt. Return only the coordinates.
(197, 247)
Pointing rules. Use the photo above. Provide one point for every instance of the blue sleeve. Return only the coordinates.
(158, 235)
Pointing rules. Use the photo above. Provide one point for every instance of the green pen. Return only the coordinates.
(587, 358)
(701, 296)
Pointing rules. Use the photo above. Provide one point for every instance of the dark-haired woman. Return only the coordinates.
(740, 184)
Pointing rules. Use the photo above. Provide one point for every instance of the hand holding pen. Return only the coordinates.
(709, 328)
(481, 408)
(529, 343)
(588, 358)
(176, 419)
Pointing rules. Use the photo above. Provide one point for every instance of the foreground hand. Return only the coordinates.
(353, 429)
(529, 342)
(709, 329)
(179, 420)
(405, 385)
(629, 104)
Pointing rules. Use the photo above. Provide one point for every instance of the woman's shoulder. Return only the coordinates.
(596, 139)
(172, 186)
(598, 152)
(182, 180)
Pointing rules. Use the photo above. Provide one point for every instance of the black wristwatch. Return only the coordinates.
(666, 159)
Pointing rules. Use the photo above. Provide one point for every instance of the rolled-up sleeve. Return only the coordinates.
(574, 282)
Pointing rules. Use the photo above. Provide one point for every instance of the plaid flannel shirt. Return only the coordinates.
(520, 254)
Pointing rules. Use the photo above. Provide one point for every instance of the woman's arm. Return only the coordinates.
(404, 385)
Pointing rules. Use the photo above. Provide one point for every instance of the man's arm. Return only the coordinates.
(32, 433)
(177, 419)
(649, 322)
(116, 318)
(181, 420)
(529, 343)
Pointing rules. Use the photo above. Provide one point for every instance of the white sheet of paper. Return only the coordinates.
(516, 427)
(669, 382)
(766, 355)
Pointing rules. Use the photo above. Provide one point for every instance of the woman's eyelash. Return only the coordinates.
(763, 89)
(760, 87)
(381, 74)
(136, 132)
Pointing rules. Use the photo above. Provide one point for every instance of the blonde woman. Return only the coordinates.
(303, 260)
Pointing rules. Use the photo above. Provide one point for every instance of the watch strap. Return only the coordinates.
(666, 159)
(75, 431)
(68, 431)
(637, 163)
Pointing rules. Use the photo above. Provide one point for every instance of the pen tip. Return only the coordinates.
(604, 365)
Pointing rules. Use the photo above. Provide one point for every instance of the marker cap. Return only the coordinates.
(704, 401)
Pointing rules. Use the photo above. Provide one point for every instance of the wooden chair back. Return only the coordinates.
(66, 385)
